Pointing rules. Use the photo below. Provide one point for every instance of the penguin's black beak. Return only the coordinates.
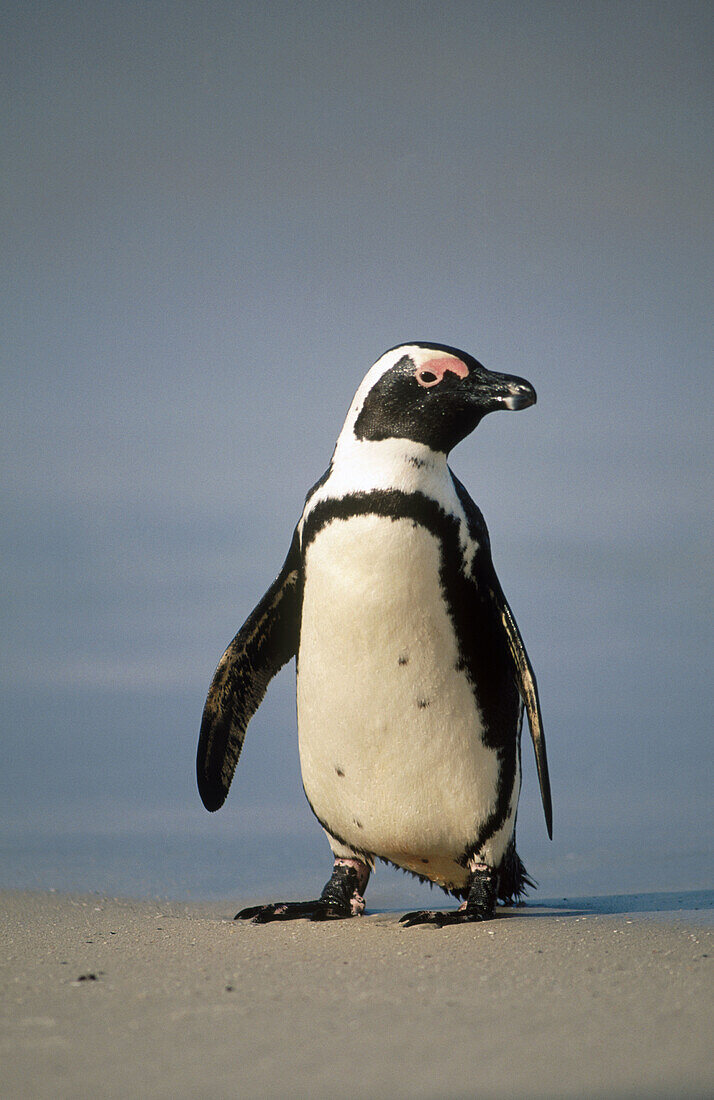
(520, 395)
(504, 391)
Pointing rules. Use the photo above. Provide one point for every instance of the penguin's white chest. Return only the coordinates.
(390, 733)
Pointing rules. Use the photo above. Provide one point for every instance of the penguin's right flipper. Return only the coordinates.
(266, 641)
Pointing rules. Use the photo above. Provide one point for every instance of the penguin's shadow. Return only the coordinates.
(665, 903)
(689, 904)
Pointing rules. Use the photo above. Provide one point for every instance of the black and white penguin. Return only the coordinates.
(411, 672)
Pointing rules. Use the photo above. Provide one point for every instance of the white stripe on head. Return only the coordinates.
(360, 464)
(375, 372)
(433, 362)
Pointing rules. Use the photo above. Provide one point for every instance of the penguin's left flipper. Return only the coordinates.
(524, 674)
(267, 640)
(342, 897)
(528, 690)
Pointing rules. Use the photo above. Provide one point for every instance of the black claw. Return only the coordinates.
(420, 916)
(247, 914)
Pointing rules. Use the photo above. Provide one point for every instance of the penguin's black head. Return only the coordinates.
(435, 394)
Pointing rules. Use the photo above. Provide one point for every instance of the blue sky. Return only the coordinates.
(215, 218)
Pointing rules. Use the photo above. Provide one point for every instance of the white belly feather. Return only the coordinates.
(390, 747)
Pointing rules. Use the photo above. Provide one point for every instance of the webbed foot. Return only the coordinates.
(440, 919)
(480, 905)
(341, 898)
(279, 910)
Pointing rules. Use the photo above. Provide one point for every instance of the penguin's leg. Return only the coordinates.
(342, 896)
(480, 902)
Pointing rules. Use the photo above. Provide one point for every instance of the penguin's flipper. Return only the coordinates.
(528, 690)
(266, 641)
(525, 677)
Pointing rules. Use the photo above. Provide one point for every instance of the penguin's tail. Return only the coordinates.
(513, 879)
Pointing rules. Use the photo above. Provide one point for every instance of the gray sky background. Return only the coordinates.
(216, 217)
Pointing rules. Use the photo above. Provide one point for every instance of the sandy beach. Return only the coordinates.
(115, 998)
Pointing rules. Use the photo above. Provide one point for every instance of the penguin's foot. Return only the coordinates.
(480, 904)
(441, 919)
(342, 897)
(278, 910)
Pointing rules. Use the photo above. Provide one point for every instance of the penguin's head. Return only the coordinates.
(431, 394)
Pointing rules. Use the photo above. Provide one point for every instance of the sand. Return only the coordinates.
(114, 998)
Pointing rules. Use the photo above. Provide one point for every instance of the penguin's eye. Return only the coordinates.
(427, 378)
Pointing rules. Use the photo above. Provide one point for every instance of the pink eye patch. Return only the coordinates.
(432, 372)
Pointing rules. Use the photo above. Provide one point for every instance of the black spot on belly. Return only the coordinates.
(404, 659)
(339, 772)
(425, 861)
(423, 703)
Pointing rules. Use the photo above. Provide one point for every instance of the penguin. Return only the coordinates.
(412, 676)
